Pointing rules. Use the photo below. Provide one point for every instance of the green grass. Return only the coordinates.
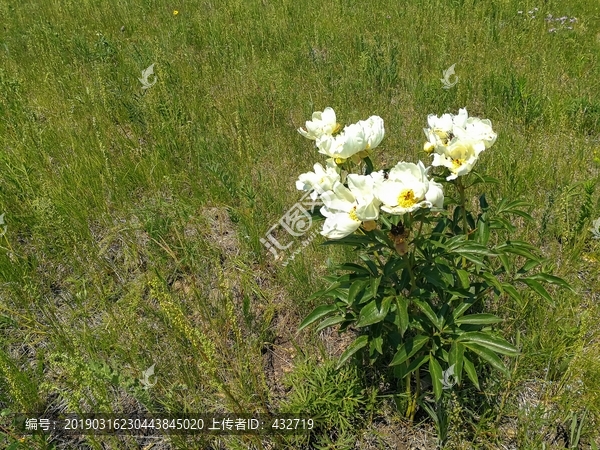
(134, 216)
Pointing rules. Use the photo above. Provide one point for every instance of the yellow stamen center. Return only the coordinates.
(457, 162)
(406, 199)
(353, 215)
(442, 135)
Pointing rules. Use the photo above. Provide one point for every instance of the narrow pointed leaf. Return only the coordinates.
(354, 268)
(322, 293)
(373, 312)
(538, 288)
(404, 370)
(456, 358)
(355, 289)
(402, 312)
(478, 319)
(429, 313)
(358, 343)
(331, 321)
(494, 343)
(375, 286)
(510, 290)
(471, 372)
(318, 313)
(547, 278)
(463, 307)
(463, 276)
(408, 349)
(489, 356)
(435, 371)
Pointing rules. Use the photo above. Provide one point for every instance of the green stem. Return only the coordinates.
(408, 396)
(413, 280)
(416, 395)
(461, 191)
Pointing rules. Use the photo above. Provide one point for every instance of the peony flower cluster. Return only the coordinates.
(456, 141)
(360, 137)
(356, 200)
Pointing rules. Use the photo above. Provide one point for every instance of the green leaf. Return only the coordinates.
(478, 319)
(489, 356)
(538, 288)
(473, 248)
(356, 240)
(505, 262)
(371, 313)
(318, 312)
(510, 290)
(376, 345)
(547, 278)
(483, 204)
(372, 267)
(429, 313)
(368, 165)
(483, 229)
(494, 343)
(409, 348)
(393, 265)
(435, 370)
(483, 179)
(456, 358)
(471, 372)
(434, 277)
(462, 308)
(375, 285)
(322, 292)
(402, 370)
(355, 289)
(402, 314)
(358, 343)
(491, 279)
(528, 266)
(518, 248)
(500, 223)
(330, 322)
(463, 276)
(354, 268)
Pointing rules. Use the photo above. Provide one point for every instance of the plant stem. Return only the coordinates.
(416, 395)
(413, 280)
(461, 190)
(408, 395)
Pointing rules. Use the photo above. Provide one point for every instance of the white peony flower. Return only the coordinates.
(345, 208)
(459, 157)
(319, 181)
(435, 195)
(457, 141)
(477, 129)
(373, 130)
(344, 145)
(322, 124)
(407, 189)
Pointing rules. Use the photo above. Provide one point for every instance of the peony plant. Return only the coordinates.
(427, 262)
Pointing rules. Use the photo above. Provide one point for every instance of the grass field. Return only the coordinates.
(134, 217)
